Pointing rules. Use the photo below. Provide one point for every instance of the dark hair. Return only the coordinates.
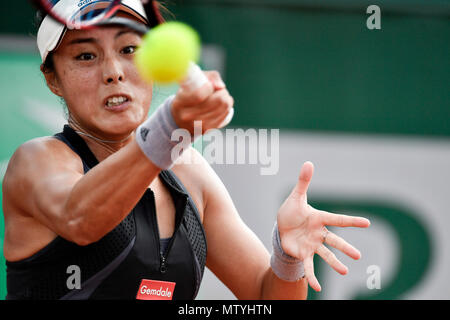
(48, 65)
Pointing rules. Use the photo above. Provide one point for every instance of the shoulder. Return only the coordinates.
(37, 158)
(192, 166)
(196, 174)
(42, 151)
(202, 182)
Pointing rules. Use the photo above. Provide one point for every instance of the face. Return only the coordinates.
(95, 74)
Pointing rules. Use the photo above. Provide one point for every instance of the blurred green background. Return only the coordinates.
(291, 64)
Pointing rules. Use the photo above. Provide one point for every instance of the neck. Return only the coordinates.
(101, 148)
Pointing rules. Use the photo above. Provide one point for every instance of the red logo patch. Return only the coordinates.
(155, 290)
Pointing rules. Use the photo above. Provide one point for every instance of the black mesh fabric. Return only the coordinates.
(196, 236)
(192, 223)
(90, 259)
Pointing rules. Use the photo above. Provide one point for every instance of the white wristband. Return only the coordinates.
(154, 135)
(283, 265)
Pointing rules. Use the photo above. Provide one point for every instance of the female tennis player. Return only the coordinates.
(102, 210)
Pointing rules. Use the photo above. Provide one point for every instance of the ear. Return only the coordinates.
(52, 81)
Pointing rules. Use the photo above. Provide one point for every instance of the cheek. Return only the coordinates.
(144, 101)
(147, 95)
(79, 86)
(144, 89)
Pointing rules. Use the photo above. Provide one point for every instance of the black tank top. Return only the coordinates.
(127, 261)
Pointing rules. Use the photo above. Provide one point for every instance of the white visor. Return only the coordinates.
(51, 32)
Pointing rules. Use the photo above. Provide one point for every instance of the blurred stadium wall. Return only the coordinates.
(370, 108)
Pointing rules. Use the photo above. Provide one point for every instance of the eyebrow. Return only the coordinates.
(82, 40)
(124, 31)
(93, 40)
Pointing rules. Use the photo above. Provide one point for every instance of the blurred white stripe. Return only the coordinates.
(49, 117)
(3, 166)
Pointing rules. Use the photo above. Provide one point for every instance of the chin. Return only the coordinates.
(118, 129)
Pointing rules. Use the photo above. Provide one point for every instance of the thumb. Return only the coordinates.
(304, 179)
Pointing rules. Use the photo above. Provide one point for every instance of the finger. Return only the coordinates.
(341, 220)
(215, 79)
(217, 120)
(214, 115)
(337, 242)
(219, 100)
(309, 274)
(227, 118)
(224, 119)
(192, 98)
(304, 178)
(213, 111)
(331, 259)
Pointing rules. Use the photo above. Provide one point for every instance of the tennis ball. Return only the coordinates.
(165, 52)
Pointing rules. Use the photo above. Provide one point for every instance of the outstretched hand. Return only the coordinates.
(303, 232)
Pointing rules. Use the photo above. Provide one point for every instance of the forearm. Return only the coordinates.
(273, 288)
(108, 192)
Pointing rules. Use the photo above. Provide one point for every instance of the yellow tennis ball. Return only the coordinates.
(165, 52)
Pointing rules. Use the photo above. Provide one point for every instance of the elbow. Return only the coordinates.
(78, 234)
(78, 229)
(81, 232)
(82, 242)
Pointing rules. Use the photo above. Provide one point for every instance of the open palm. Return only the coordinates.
(303, 232)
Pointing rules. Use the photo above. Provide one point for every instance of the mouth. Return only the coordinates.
(117, 102)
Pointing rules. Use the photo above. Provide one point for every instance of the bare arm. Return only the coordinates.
(45, 180)
(235, 254)
(240, 260)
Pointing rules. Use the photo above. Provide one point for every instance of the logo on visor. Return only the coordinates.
(83, 2)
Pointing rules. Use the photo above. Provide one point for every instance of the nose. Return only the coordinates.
(112, 71)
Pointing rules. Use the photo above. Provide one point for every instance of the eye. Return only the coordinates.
(85, 56)
(128, 50)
